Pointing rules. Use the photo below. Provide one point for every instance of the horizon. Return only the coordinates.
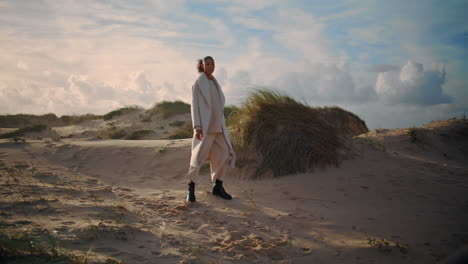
(395, 65)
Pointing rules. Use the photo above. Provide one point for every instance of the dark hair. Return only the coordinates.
(200, 63)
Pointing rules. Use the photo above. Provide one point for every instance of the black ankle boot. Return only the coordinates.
(191, 192)
(219, 190)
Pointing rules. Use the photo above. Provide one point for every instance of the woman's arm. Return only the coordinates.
(195, 110)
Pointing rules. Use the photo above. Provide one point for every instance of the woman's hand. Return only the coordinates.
(199, 134)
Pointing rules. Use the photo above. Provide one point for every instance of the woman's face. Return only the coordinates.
(209, 66)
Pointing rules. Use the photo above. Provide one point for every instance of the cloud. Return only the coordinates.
(88, 91)
(413, 85)
(383, 68)
(121, 53)
(369, 35)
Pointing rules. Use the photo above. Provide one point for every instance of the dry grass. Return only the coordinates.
(281, 136)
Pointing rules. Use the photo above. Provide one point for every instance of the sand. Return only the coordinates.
(400, 198)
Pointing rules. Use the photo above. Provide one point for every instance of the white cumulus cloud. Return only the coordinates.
(413, 85)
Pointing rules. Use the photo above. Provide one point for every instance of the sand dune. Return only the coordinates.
(400, 198)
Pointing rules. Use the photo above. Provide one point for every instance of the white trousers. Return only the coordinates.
(216, 149)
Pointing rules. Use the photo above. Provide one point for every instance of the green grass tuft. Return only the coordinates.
(168, 109)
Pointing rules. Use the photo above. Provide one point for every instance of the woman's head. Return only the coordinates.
(206, 65)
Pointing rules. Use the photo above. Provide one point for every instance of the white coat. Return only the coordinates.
(201, 116)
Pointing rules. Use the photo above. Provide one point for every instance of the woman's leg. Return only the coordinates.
(219, 162)
(192, 175)
(219, 157)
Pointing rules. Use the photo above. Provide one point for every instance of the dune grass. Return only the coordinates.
(135, 135)
(177, 123)
(168, 109)
(76, 119)
(120, 111)
(38, 246)
(24, 120)
(283, 136)
(182, 132)
(20, 132)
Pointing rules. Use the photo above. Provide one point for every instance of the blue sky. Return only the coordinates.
(393, 63)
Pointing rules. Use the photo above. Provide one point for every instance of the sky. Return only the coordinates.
(395, 64)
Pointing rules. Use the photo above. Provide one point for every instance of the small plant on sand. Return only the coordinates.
(385, 245)
(161, 149)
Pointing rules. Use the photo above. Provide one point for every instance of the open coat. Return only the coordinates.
(201, 116)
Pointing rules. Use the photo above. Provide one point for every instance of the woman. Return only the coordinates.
(210, 140)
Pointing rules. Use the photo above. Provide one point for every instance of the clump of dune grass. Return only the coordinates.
(25, 120)
(121, 111)
(76, 119)
(229, 111)
(345, 122)
(177, 123)
(168, 109)
(135, 135)
(20, 132)
(111, 133)
(180, 133)
(281, 136)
